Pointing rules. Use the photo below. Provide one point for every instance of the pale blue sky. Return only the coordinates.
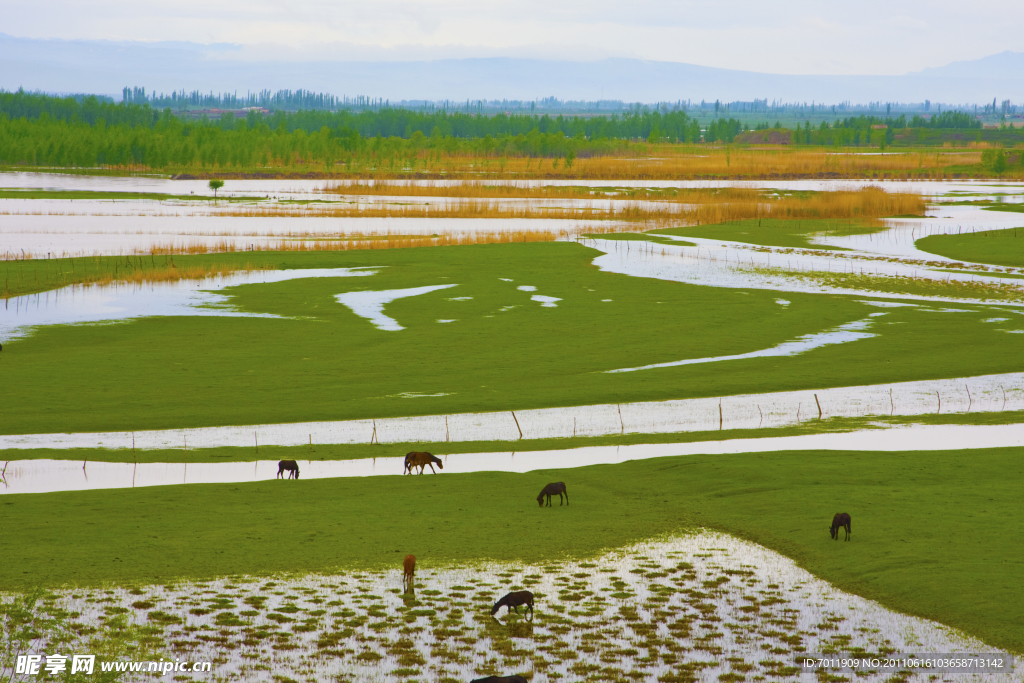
(793, 36)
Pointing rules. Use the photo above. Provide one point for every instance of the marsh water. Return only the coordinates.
(42, 475)
(113, 303)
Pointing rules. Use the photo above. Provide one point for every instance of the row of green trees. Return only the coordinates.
(41, 130)
(672, 126)
(86, 132)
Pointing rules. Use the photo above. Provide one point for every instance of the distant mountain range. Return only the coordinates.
(104, 67)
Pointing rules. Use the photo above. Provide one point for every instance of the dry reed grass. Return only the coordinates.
(699, 206)
(695, 162)
(140, 276)
(358, 241)
(707, 206)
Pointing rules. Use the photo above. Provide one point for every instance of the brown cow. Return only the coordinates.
(421, 460)
(408, 568)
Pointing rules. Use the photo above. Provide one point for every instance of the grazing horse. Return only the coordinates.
(289, 466)
(513, 600)
(840, 521)
(421, 460)
(550, 490)
(408, 568)
(500, 679)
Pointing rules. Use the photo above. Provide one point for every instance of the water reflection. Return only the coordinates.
(97, 303)
(41, 476)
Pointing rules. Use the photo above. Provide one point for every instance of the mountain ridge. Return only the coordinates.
(104, 67)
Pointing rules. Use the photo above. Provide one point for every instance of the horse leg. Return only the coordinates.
(432, 470)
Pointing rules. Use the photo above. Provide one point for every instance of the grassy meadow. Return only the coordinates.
(923, 523)
(503, 351)
(997, 247)
(774, 232)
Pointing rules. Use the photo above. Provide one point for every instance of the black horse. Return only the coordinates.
(513, 600)
(289, 466)
(500, 679)
(550, 490)
(840, 521)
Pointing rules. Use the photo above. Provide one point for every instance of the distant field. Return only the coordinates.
(930, 533)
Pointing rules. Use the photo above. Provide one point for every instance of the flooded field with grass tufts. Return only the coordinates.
(706, 607)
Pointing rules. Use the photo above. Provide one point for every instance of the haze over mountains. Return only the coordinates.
(105, 67)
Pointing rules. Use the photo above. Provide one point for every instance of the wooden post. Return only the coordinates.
(970, 401)
(819, 405)
(721, 420)
(622, 424)
(517, 424)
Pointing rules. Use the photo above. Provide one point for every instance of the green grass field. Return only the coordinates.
(504, 351)
(933, 533)
(771, 232)
(998, 247)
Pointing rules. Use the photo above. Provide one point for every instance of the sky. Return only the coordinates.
(781, 36)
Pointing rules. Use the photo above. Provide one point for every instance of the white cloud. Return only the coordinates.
(797, 36)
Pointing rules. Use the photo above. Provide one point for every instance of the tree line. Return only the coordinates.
(38, 129)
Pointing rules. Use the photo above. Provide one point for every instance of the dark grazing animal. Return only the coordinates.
(840, 521)
(550, 490)
(421, 460)
(289, 466)
(500, 679)
(513, 600)
(408, 569)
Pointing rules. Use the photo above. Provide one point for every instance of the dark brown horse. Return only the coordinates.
(408, 569)
(550, 490)
(513, 600)
(840, 521)
(421, 460)
(289, 466)
(500, 679)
